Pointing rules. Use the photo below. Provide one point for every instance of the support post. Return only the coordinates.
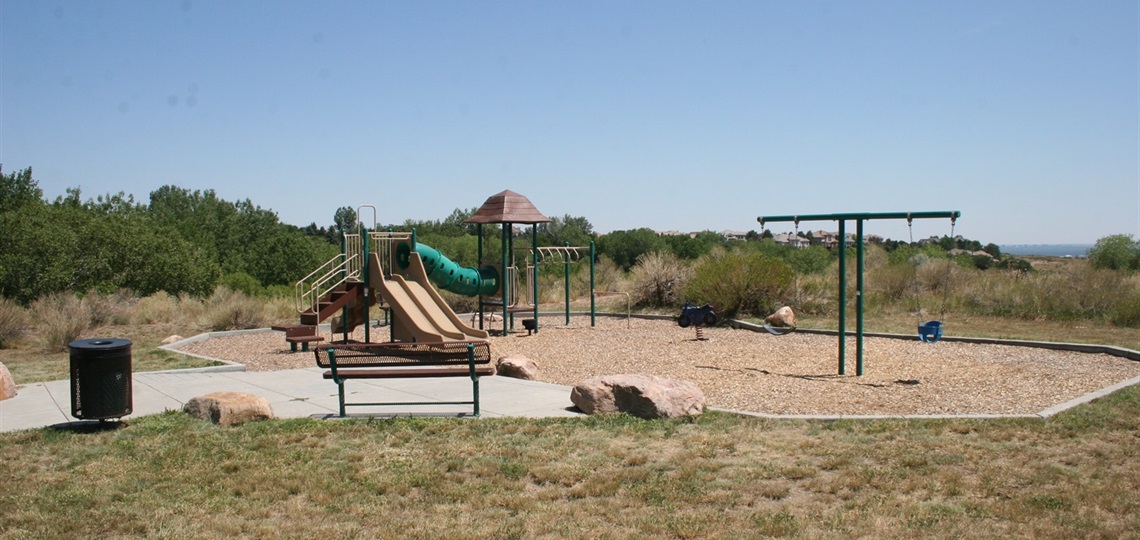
(479, 260)
(859, 298)
(367, 289)
(843, 298)
(534, 276)
(593, 312)
(566, 281)
(506, 288)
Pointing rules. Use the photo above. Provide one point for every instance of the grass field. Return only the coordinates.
(1076, 475)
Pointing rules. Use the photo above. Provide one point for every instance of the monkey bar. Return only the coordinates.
(859, 218)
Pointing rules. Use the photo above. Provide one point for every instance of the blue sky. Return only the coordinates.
(663, 114)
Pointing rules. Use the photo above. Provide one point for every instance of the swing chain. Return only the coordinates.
(917, 288)
(946, 281)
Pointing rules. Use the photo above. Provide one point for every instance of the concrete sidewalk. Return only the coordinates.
(297, 393)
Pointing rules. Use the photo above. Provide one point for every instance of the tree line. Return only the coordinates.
(190, 241)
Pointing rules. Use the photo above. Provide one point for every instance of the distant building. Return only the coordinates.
(734, 235)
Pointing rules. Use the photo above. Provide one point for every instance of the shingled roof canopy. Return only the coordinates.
(507, 207)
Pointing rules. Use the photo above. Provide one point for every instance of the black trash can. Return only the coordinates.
(100, 378)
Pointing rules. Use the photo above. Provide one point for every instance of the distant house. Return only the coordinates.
(789, 239)
(734, 235)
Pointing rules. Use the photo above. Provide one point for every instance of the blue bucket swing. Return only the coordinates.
(930, 331)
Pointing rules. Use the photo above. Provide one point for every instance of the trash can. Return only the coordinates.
(100, 378)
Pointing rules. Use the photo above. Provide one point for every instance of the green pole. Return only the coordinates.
(534, 276)
(479, 258)
(842, 297)
(566, 281)
(506, 288)
(859, 298)
(593, 313)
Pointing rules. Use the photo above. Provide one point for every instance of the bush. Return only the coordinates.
(1126, 312)
(13, 322)
(62, 319)
(659, 279)
(736, 283)
(241, 282)
(1015, 264)
(1116, 252)
(114, 308)
(159, 307)
(232, 310)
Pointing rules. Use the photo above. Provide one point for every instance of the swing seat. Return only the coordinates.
(930, 331)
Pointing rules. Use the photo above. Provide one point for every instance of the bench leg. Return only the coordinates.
(475, 394)
(305, 346)
(292, 347)
(340, 395)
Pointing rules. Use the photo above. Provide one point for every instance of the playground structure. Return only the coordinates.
(402, 277)
(928, 332)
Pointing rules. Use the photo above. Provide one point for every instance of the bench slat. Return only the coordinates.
(401, 373)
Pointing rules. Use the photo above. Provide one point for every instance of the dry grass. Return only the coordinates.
(14, 322)
(61, 318)
(168, 476)
(233, 310)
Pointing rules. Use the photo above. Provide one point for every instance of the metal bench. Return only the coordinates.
(346, 361)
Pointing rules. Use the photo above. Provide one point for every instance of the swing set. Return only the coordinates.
(928, 332)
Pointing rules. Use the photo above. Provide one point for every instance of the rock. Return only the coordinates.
(782, 317)
(7, 383)
(228, 408)
(172, 339)
(644, 396)
(517, 367)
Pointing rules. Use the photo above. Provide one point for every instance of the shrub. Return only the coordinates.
(159, 307)
(1014, 263)
(61, 318)
(232, 310)
(282, 309)
(1115, 252)
(1126, 312)
(736, 283)
(241, 282)
(13, 322)
(659, 279)
(114, 308)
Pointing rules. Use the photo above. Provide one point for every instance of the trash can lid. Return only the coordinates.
(99, 343)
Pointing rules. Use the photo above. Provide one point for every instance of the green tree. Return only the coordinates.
(1115, 252)
(809, 260)
(577, 231)
(624, 247)
(18, 189)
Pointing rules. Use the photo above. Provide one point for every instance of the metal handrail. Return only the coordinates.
(334, 268)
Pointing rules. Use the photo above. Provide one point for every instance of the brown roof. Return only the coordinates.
(507, 207)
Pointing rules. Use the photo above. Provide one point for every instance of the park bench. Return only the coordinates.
(345, 361)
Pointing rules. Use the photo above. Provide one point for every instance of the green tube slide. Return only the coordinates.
(448, 275)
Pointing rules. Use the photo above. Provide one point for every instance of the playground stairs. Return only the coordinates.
(332, 302)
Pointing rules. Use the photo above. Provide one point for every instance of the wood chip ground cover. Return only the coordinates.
(792, 374)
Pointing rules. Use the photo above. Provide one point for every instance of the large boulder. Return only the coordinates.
(517, 367)
(228, 408)
(784, 317)
(7, 383)
(644, 396)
